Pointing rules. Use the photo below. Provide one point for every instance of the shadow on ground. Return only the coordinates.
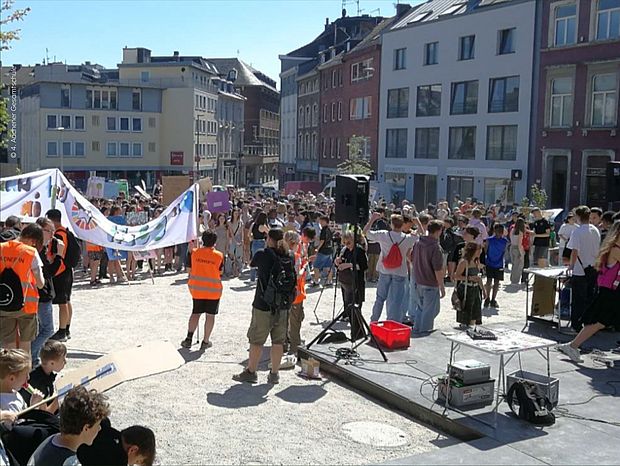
(240, 395)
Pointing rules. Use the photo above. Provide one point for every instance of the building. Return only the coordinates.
(456, 101)
(577, 105)
(308, 91)
(261, 135)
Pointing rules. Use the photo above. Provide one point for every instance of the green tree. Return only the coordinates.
(356, 163)
(539, 196)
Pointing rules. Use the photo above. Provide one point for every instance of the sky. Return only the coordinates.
(256, 31)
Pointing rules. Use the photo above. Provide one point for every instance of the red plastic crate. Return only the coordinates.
(391, 334)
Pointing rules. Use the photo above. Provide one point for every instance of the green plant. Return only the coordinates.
(356, 163)
(539, 196)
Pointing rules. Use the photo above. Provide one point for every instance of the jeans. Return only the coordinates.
(255, 246)
(427, 308)
(517, 265)
(390, 290)
(45, 314)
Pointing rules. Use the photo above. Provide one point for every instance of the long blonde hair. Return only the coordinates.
(13, 361)
(613, 235)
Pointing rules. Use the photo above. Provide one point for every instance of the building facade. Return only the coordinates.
(230, 121)
(307, 160)
(288, 123)
(577, 100)
(456, 101)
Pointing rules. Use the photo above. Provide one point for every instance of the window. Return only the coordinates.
(124, 149)
(79, 149)
(111, 124)
(136, 124)
(466, 47)
(52, 122)
(464, 98)
(325, 113)
(338, 148)
(398, 103)
(427, 143)
(94, 146)
(431, 52)
(124, 124)
(424, 189)
(498, 189)
(506, 41)
(333, 111)
(300, 121)
(65, 96)
(561, 111)
(361, 70)
(334, 78)
(111, 150)
(136, 149)
(608, 19)
(331, 148)
(315, 115)
(360, 108)
(65, 121)
(95, 120)
(502, 142)
(565, 25)
(339, 110)
(144, 76)
(66, 148)
(504, 94)
(308, 116)
(462, 143)
(604, 106)
(79, 122)
(152, 122)
(151, 147)
(99, 98)
(429, 100)
(52, 149)
(399, 59)
(396, 143)
(324, 147)
(136, 99)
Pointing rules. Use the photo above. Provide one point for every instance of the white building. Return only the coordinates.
(456, 86)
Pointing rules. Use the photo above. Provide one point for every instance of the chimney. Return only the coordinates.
(344, 12)
(176, 55)
(402, 8)
(326, 23)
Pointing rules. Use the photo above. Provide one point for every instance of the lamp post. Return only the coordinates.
(61, 129)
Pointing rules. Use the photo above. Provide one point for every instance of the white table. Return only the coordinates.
(559, 274)
(508, 344)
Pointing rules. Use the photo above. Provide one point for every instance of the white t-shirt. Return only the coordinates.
(566, 230)
(385, 240)
(12, 402)
(586, 239)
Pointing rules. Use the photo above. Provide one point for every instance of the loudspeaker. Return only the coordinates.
(613, 182)
(351, 195)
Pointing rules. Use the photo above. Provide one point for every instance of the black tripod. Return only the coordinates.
(358, 323)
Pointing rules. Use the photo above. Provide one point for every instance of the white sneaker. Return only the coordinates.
(571, 352)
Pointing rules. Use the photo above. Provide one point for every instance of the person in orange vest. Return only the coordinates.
(296, 316)
(19, 327)
(205, 286)
(94, 259)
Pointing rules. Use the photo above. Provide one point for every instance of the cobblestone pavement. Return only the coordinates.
(200, 416)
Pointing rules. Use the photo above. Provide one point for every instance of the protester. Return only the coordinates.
(205, 286)
(449, 241)
(469, 235)
(542, 233)
(469, 286)
(14, 369)
(564, 234)
(53, 357)
(517, 251)
(12, 229)
(94, 260)
(235, 241)
(323, 261)
(296, 316)
(259, 230)
(351, 281)
(476, 222)
(374, 248)
(494, 248)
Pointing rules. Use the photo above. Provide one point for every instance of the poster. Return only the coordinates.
(123, 187)
(27, 196)
(94, 188)
(218, 201)
(110, 190)
(172, 186)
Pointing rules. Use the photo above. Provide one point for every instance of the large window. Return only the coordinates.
(398, 103)
(52, 122)
(65, 121)
(506, 41)
(124, 149)
(504, 94)
(466, 47)
(424, 189)
(360, 108)
(431, 53)
(136, 125)
(99, 98)
(427, 143)
(65, 96)
(136, 99)
(498, 190)
(136, 149)
(462, 186)
(561, 103)
(462, 143)
(79, 149)
(124, 124)
(52, 149)
(396, 143)
(604, 106)
(502, 142)
(111, 149)
(464, 98)
(399, 59)
(66, 148)
(361, 70)
(565, 17)
(608, 19)
(79, 122)
(429, 100)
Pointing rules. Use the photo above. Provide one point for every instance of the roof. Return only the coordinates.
(374, 36)
(24, 75)
(246, 74)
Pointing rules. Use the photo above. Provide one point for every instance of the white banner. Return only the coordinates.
(176, 225)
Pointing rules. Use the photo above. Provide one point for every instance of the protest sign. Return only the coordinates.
(172, 186)
(218, 201)
(95, 187)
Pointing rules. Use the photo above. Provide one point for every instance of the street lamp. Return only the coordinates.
(60, 129)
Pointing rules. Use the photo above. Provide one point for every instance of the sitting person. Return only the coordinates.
(53, 357)
(133, 445)
(15, 366)
(81, 414)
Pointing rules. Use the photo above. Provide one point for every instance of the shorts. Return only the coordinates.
(540, 252)
(322, 261)
(265, 323)
(62, 286)
(206, 306)
(27, 323)
(95, 255)
(495, 274)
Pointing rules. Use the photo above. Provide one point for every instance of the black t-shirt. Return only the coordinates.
(106, 450)
(264, 260)
(456, 255)
(256, 233)
(540, 227)
(327, 237)
(41, 381)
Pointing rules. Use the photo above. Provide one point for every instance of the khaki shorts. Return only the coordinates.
(265, 323)
(10, 321)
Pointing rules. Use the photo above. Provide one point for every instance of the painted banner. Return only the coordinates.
(27, 196)
(218, 201)
(137, 218)
(94, 188)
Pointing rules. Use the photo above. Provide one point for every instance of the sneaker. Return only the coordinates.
(494, 304)
(408, 322)
(487, 302)
(273, 379)
(571, 352)
(60, 335)
(246, 376)
(68, 333)
(205, 345)
(187, 343)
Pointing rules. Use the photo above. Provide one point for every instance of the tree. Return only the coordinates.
(356, 163)
(539, 196)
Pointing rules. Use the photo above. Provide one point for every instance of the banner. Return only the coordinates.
(27, 196)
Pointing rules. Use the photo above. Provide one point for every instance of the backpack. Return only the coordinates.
(11, 292)
(532, 406)
(394, 258)
(73, 251)
(281, 288)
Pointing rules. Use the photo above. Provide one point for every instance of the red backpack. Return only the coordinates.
(394, 258)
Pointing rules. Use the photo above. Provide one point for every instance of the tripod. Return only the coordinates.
(356, 318)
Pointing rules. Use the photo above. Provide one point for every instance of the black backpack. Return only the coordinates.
(532, 406)
(279, 293)
(73, 251)
(11, 292)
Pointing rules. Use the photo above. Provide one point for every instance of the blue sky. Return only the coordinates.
(96, 31)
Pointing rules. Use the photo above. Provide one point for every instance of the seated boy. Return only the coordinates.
(81, 414)
(53, 357)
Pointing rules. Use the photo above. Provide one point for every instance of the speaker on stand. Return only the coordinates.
(351, 195)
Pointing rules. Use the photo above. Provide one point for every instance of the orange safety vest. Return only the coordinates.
(19, 257)
(300, 268)
(205, 274)
(61, 234)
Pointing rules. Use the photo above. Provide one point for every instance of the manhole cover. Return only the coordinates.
(376, 434)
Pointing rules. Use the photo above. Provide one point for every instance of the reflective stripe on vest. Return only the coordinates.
(204, 278)
(24, 254)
